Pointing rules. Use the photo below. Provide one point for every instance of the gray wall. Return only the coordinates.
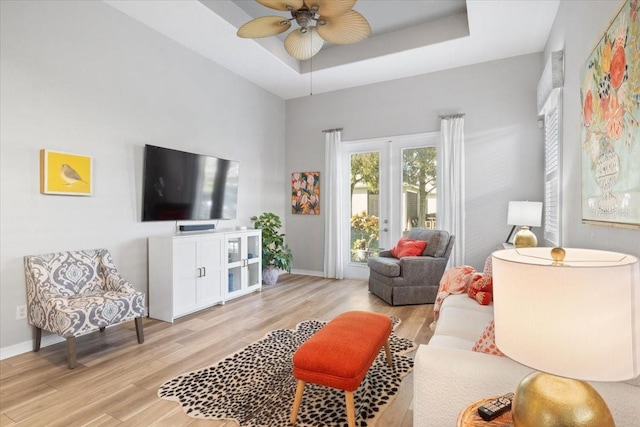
(504, 146)
(578, 27)
(82, 77)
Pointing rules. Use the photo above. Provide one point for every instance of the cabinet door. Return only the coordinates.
(254, 255)
(235, 262)
(185, 270)
(209, 289)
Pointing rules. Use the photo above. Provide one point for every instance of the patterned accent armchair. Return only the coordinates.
(73, 293)
(412, 279)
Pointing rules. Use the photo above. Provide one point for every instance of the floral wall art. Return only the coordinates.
(610, 96)
(305, 193)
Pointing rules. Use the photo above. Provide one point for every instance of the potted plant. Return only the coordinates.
(366, 229)
(276, 255)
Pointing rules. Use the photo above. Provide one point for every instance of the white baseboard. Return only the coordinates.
(308, 272)
(27, 346)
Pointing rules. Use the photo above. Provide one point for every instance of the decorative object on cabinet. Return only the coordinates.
(610, 131)
(524, 214)
(274, 251)
(76, 292)
(591, 296)
(305, 193)
(65, 173)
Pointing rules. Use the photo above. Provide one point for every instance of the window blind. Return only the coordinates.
(552, 170)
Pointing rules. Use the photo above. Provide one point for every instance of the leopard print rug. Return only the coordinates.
(255, 387)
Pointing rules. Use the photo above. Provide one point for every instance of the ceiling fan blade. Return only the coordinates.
(346, 29)
(303, 45)
(286, 5)
(264, 26)
(330, 7)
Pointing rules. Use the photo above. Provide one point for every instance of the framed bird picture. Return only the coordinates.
(65, 173)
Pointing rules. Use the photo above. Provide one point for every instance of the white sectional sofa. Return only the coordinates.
(448, 375)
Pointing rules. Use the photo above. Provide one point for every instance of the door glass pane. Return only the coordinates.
(365, 189)
(234, 251)
(419, 188)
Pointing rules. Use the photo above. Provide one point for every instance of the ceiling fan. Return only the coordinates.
(335, 22)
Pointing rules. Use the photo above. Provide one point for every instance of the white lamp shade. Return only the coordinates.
(580, 320)
(525, 213)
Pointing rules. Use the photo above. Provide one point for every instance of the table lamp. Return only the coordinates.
(574, 316)
(524, 214)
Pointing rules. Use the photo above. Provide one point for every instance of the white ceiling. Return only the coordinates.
(408, 38)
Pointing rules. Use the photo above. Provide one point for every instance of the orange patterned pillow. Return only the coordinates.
(487, 341)
(408, 247)
(481, 288)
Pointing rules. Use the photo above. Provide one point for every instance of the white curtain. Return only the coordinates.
(333, 223)
(451, 216)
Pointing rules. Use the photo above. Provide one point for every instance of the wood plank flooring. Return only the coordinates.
(116, 381)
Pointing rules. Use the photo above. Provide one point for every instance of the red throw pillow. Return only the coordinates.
(481, 289)
(408, 247)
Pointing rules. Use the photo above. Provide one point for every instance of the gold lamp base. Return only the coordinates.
(525, 238)
(544, 400)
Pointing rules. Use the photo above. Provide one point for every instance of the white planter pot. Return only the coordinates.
(270, 275)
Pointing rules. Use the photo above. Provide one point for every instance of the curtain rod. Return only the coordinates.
(331, 130)
(451, 116)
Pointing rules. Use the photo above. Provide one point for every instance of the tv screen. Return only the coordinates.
(187, 186)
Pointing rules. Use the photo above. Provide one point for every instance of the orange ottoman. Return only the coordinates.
(340, 354)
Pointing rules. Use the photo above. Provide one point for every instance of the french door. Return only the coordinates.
(390, 187)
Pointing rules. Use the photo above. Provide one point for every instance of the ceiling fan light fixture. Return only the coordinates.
(303, 45)
(335, 22)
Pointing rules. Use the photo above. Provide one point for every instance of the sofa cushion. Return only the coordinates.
(389, 267)
(437, 240)
(408, 247)
(462, 323)
(487, 341)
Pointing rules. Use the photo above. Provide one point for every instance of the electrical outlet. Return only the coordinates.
(21, 312)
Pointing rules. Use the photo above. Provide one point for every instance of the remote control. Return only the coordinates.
(496, 407)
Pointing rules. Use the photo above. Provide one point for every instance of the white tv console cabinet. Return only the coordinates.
(193, 271)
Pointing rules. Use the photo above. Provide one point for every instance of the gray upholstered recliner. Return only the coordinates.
(413, 279)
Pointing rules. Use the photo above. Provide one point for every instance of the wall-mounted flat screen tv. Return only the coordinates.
(187, 186)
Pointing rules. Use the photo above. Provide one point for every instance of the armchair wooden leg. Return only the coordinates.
(37, 338)
(71, 352)
(139, 330)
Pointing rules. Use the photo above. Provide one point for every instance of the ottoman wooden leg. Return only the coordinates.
(351, 409)
(387, 350)
(297, 401)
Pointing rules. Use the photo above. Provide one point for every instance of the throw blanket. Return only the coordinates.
(454, 281)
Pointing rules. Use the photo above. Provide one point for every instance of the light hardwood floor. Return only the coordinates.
(116, 381)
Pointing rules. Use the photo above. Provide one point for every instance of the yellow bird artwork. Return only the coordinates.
(70, 175)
